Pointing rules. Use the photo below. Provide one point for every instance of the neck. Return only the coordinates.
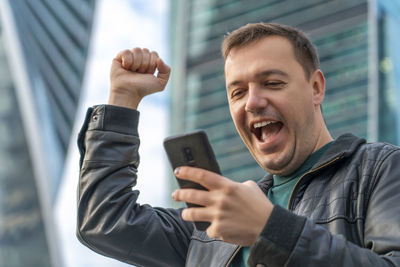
(323, 135)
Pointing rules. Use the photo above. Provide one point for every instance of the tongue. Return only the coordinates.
(270, 130)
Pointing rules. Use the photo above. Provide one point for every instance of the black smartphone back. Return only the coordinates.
(191, 149)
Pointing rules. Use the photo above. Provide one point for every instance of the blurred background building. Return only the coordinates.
(43, 49)
(357, 47)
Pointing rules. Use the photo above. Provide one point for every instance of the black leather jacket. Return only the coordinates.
(343, 212)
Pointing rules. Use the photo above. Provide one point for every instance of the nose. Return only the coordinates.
(255, 100)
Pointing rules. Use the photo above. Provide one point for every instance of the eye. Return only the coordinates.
(237, 93)
(274, 84)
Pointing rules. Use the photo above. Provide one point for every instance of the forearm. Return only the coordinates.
(292, 240)
(110, 221)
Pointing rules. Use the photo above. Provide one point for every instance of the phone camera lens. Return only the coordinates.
(188, 155)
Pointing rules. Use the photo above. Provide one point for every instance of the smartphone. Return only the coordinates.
(191, 149)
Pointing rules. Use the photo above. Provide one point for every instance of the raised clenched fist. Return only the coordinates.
(132, 76)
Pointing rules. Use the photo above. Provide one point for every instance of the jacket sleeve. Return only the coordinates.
(110, 221)
(293, 240)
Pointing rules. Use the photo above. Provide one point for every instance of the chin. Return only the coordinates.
(271, 168)
(276, 166)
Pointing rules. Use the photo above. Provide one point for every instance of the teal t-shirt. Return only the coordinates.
(280, 192)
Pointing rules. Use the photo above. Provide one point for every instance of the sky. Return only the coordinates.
(118, 25)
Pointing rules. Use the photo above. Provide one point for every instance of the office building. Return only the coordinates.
(43, 49)
(357, 50)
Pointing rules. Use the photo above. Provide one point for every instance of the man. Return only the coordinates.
(323, 203)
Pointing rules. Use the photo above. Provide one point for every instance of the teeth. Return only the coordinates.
(262, 124)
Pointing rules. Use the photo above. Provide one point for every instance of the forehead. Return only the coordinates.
(270, 52)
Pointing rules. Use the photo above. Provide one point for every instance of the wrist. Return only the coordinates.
(124, 100)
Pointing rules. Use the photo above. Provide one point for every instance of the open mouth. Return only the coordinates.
(266, 129)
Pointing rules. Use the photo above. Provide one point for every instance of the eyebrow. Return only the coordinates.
(271, 72)
(260, 75)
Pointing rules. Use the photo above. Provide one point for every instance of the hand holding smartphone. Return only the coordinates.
(191, 149)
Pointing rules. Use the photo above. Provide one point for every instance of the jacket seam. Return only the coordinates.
(106, 161)
(111, 131)
(323, 205)
(374, 179)
(205, 241)
(321, 221)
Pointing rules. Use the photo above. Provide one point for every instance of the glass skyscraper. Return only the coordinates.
(356, 45)
(43, 49)
(388, 23)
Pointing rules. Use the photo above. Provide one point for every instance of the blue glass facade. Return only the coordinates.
(388, 20)
(43, 49)
(54, 38)
(21, 225)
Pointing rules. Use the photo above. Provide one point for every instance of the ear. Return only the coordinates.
(317, 80)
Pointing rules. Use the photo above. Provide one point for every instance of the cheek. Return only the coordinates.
(301, 118)
(238, 117)
(299, 109)
(233, 109)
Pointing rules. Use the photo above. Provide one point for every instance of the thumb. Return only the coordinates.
(116, 64)
(163, 71)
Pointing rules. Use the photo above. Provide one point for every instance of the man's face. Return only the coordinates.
(273, 104)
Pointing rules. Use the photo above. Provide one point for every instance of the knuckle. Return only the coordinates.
(125, 52)
(187, 214)
(202, 176)
(222, 203)
(218, 215)
(249, 183)
(231, 188)
(183, 194)
(137, 50)
(180, 195)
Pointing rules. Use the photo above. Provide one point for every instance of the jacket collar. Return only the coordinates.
(343, 147)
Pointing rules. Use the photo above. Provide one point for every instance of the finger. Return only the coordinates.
(209, 180)
(163, 71)
(145, 61)
(214, 232)
(199, 214)
(251, 184)
(194, 196)
(126, 59)
(153, 62)
(137, 59)
(116, 65)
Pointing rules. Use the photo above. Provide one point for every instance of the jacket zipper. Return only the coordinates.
(311, 171)
(233, 256)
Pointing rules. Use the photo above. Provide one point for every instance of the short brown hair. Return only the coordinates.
(304, 50)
